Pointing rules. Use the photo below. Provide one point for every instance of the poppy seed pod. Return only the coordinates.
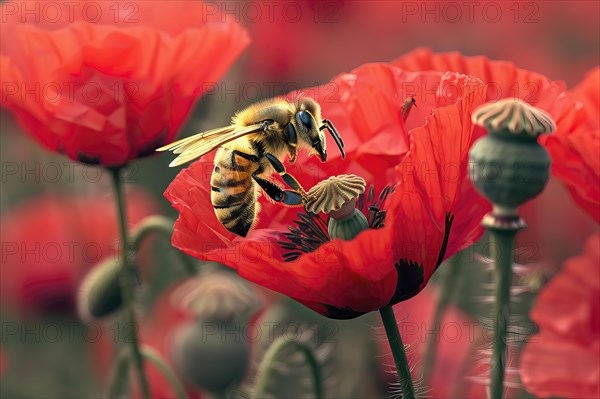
(100, 292)
(218, 296)
(349, 227)
(509, 166)
(212, 355)
(336, 196)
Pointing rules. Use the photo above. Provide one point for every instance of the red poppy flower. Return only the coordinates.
(574, 149)
(108, 94)
(576, 156)
(563, 359)
(432, 213)
(50, 242)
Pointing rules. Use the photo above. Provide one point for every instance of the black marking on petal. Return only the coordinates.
(151, 147)
(447, 227)
(410, 278)
(89, 159)
(344, 313)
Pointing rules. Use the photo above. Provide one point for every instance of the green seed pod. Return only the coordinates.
(349, 227)
(212, 355)
(509, 166)
(100, 291)
(336, 196)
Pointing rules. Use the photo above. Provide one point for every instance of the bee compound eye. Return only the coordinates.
(306, 119)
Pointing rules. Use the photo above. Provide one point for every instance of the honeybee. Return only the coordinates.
(250, 149)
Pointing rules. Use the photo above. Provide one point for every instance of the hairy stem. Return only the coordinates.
(126, 281)
(403, 369)
(268, 364)
(501, 252)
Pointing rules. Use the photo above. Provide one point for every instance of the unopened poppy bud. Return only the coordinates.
(212, 355)
(509, 166)
(100, 291)
(218, 295)
(337, 196)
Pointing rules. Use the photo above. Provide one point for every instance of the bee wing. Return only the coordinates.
(201, 144)
(177, 146)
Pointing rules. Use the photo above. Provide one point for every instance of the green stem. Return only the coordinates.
(155, 358)
(501, 251)
(119, 375)
(451, 272)
(126, 281)
(160, 225)
(268, 364)
(395, 340)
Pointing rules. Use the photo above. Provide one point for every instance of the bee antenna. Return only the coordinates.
(334, 133)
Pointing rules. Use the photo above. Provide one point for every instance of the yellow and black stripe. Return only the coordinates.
(233, 190)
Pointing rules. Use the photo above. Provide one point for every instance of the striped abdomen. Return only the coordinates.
(233, 191)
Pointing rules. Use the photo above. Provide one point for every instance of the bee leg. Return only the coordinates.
(291, 135)
(292, 141)
(289, 179)
(286, 197)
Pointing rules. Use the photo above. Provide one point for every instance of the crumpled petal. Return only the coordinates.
(575, 153)
(563, 360)
(105, 94)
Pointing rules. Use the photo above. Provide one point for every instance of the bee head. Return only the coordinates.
(307, 121)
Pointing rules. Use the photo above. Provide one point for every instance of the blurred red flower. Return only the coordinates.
(563, 359)
(50, 242)
(576, 156)
(574, 147)
(109, 93)
(2, 362)
(432, 214)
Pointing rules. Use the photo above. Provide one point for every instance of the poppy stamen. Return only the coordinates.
(310, 231)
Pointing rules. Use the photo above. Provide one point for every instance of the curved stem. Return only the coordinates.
(395, 340)
(119, 375)
(154, 357)
(501, 252)
(268, 364)
(126, 280)
(451, 272)
(160, 225)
